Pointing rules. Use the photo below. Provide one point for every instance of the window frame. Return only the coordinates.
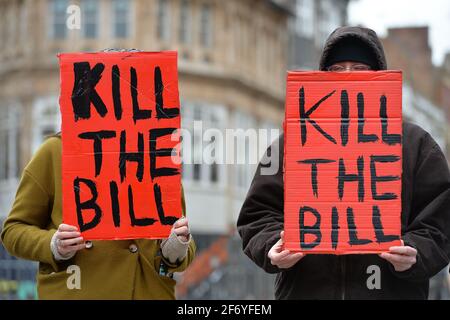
(206, 25)
(163, 21)
(185, 22)
(92, 20)
(58, 18)
(125, 19)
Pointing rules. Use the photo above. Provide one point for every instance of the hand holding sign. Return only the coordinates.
(68, 240)
(402, 258)
(181, 229)
(175, 247)
(281, 258)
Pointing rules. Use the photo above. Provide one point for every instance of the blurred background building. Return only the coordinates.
(233, 56)
(313, 22)
(408, 49)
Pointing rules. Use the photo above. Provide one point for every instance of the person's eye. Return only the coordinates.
(336, 68)
(361, 68)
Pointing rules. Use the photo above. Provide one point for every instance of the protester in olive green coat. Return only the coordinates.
(127, 269)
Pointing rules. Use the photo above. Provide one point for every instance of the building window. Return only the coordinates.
(242, 165)
(245, 148)
(163, 27)
(10, 155)
(330, 17)
(10, 142)
(185, 22)
(305, 18)
(46, 120)
(59, 28)
(213, 166)
(213, 119)
(25, 20)
(214, 177)
(197, 172)
(3, 30)
(121, 9)
(4, 163)
(197, 147)
(89, 9)
(206, 29)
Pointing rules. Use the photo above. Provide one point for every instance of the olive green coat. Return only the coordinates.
(108, 270)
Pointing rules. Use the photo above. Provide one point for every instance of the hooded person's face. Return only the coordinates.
(348, 66)
(353, 45)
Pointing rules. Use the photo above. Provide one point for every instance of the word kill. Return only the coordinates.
(84, 93)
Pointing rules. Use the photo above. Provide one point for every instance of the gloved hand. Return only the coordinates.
(66, 241)
(176, 246)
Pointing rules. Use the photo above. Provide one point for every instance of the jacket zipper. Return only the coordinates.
(343, 279)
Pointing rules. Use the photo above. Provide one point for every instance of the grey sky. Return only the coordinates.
(382, 14)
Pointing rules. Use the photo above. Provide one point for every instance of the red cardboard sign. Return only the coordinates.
(120, 142)
(343, 162)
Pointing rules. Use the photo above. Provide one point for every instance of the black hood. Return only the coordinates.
(368, 36)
